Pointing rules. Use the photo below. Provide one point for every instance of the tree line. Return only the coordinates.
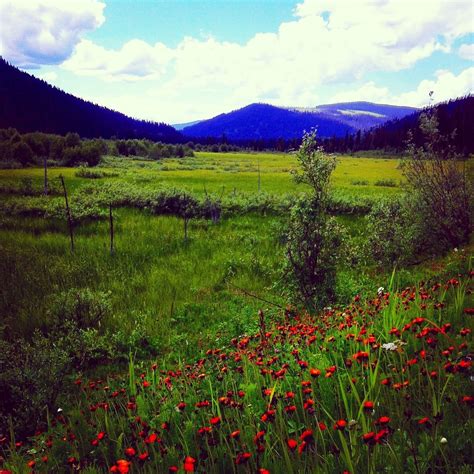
(20, 150)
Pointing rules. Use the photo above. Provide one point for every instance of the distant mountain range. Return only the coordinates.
(30, 104)
(264, 121)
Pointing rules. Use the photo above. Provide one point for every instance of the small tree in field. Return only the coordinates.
(440, 190)
(313, 237)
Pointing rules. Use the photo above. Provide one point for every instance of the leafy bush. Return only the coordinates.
(313, 237)
(439, 187)
(31, 377)
(82, 307)
(393, 233)
(359, 182)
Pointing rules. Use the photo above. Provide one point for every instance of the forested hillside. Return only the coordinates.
(30, 105)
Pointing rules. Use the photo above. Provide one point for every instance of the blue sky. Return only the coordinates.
(183, 60)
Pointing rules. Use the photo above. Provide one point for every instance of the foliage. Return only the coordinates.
(313, 238)
(439, 187)
(31, 377)
(81, 307)
(393, 235)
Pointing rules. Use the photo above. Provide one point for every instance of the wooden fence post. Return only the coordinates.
(68, 214)
(111, 222)
(45, 164)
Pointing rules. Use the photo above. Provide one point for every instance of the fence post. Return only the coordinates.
(111, 222)
(68, 214)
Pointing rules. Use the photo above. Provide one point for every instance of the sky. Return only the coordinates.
(184, 60)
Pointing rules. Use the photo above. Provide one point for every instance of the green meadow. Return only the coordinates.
(155, 279)
(231, 172)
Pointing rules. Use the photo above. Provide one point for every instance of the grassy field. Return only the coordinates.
(154, 276)
(234, 172)
(161, 303)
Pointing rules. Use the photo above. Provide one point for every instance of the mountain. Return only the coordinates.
(30, 104)
(362, 115)
(180, 126)
(264, 121)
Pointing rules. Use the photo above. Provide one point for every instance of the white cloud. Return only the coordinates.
(327, 42)
(135, 60)
(39, 32)
(466, 51)
(445, 86)
(48, 76)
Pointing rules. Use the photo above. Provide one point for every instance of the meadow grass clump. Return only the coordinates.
(387, 183)
(88, 173)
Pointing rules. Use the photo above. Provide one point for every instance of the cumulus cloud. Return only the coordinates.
(328, 41)
(135, 60)
(445, 86)
(466, 51)
(39, 32)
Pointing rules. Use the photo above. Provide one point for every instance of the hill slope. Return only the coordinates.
(264, 121)
(30, 104)
(453, 116)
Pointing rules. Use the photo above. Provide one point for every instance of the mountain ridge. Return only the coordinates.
(266, 121)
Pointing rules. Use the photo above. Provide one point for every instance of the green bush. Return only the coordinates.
(31, 377)
(83, 308)
(313, 238)
(393, 233)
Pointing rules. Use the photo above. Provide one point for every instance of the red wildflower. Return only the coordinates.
(340, 424)
(122, 466)
(360, 356)
(368, 405)
(302, 447)
(368, 437)
(263, 471)
(143, 456)
(314, 372)
(322, 426)
(130, 452)
(425, 421)
(235, 434)
(215, 420)
(292, 444)
(242, 458)
(307, 436)
(383, 420)
(150, 439)
(259, 437)
(189, 464)
(181, 406)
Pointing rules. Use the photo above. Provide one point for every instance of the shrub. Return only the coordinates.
(83, 307)
(31, 377)
(439, 187)
(359, 182)
(313, 237)
(393, 234)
